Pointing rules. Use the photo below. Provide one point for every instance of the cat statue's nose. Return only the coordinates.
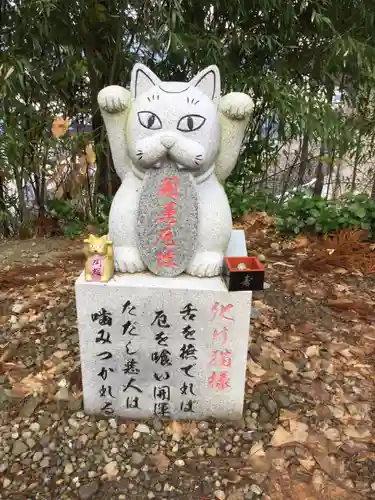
(168, 141)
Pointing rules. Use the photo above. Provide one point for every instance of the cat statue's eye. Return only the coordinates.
(190, 123)
(149, 120)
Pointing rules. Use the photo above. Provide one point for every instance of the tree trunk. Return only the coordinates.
(21, 195)
(4, 225)
(102, 43)
(304, 159)
(372, 196)
(102, 174)
(356, 161)
(319, 184)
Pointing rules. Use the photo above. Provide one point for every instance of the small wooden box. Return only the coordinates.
(251, 278)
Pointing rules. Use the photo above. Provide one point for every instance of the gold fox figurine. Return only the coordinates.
(99, 264)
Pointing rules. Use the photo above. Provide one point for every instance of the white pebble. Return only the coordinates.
(143, 428)
(255, 488)
(102, 425)
(136, 435)
(111, 468)
(35, 427)
(6, 482)
(122, 429)
(179, 463)
(38, 455)
(73, 423)
(113, 423)
(44, 463)
(68, 469)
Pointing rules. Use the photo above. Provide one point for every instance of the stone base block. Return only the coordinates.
(172, 347)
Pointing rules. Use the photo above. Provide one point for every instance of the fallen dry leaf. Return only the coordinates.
(298, 431)
(301, 242)
(60, 126)
(161, 462)
(255, 369)
(273, 333)
(34, 384)
(332, 434)
(281, 436)
(290, 367)
(312, 350)
(175, 428)
(307, 463)
(337, 411)
(354, 433)
(90, 155)
(257, 450)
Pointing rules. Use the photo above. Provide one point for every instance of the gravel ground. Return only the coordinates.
(306, 431)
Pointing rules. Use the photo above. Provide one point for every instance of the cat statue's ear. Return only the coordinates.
(208, 81)
(142, 79)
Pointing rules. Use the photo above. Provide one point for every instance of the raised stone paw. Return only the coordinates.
(128, 260)
(206, 264)
(114, 99)
(236, 106)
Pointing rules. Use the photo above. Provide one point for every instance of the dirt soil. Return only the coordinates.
(307, 429)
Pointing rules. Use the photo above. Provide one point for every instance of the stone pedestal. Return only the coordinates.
(174, 347)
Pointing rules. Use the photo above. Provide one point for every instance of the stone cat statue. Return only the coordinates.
(190, 124)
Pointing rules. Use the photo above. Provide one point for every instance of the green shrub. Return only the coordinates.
(312, 213)
(102, 214)
(73, 222)
(70, 220)
(240, 202)
(61, 209)
(73, 228)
